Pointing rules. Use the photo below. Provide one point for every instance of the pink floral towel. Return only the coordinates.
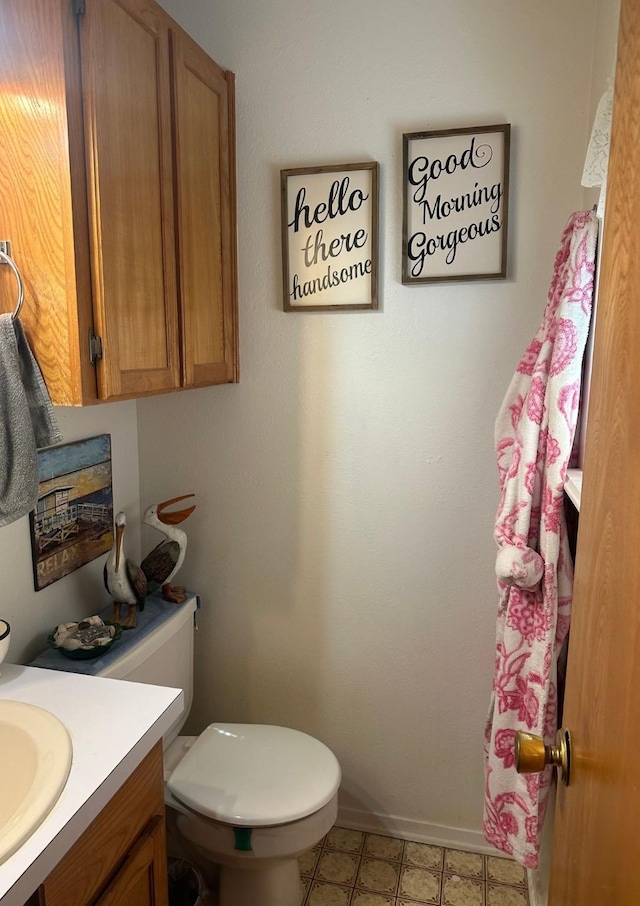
(534, 437)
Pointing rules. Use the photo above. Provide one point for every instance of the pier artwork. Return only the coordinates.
(73, 520)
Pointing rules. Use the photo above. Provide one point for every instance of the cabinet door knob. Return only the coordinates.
(532, 755)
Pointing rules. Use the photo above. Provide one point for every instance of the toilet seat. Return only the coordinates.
(255, 775)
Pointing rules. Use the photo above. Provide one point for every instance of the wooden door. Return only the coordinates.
(204, 151)
(127, 117)
(42, 191)
(142, 879)
(597, 840)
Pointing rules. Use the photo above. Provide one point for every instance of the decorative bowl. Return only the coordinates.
(94, 645)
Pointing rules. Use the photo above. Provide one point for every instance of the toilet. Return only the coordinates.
(246, 798)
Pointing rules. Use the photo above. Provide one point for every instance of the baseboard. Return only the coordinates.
(420, 831)
(538, 891)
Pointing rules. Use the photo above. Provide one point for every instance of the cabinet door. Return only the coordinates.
(111, 837)
(42, 191)
(124, 47)
(142, 879)
(204, 150)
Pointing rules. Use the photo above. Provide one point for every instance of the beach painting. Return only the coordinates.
(73, 521)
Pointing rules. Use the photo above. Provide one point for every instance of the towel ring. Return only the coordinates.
(6, 259)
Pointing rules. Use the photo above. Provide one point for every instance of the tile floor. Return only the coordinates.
(350, 868)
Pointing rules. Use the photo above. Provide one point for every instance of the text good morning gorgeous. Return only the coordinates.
(454, 197)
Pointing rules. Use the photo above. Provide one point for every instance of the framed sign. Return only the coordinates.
(330, 237)
(73, 520)
(456, 199)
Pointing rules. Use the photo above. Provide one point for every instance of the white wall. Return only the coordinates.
(31, 614)
(347, 488)
(604, 54)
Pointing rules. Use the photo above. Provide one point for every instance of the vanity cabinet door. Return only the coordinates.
(142, 879)
(124, 48)
(123, 846)
(204, 155)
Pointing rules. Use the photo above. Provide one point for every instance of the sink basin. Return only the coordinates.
(35, 758)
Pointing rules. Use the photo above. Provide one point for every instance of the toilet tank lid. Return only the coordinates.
(254, 775)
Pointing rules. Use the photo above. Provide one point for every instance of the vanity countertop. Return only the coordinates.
(113, 725)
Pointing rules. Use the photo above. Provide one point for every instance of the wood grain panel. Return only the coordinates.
(201, 228)
(204, 189)
(233, 214)
(125, 71)
(87, 189)
(80, 306)
(92, 862)
(36, 213)
(142, 879)
(596, 843)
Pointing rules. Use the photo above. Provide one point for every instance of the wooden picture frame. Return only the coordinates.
(330, 237)
(455, 204)
(73, 520)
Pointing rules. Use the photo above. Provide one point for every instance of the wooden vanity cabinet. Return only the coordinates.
(120, 860)
(118, 195)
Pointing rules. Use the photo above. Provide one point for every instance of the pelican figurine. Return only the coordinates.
(164, 561)
(125, 582)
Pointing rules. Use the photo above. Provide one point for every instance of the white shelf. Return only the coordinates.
(573, 486)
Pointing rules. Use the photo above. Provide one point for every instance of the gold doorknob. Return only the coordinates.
(532, 755)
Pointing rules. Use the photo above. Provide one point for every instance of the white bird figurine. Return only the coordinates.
(125, 582)
(163, 562)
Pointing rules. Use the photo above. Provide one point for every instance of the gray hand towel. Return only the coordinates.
(27, 422)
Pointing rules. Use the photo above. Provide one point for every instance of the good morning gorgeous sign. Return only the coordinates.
(330, 237)
(456, 187)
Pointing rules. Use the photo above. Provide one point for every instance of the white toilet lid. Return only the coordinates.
(255, 775)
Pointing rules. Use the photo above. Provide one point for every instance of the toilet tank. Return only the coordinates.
(163, 658)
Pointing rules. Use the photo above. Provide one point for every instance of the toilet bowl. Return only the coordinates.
(251, 798)
(244, 799)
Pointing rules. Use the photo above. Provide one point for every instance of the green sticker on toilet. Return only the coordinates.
(243, 839)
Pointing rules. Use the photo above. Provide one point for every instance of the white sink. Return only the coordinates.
(35, 759)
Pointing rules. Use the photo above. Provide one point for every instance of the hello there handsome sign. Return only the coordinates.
(330, 237)
(456, 188)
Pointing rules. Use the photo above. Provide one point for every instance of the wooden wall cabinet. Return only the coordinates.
(121, 858)
(118, 194)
